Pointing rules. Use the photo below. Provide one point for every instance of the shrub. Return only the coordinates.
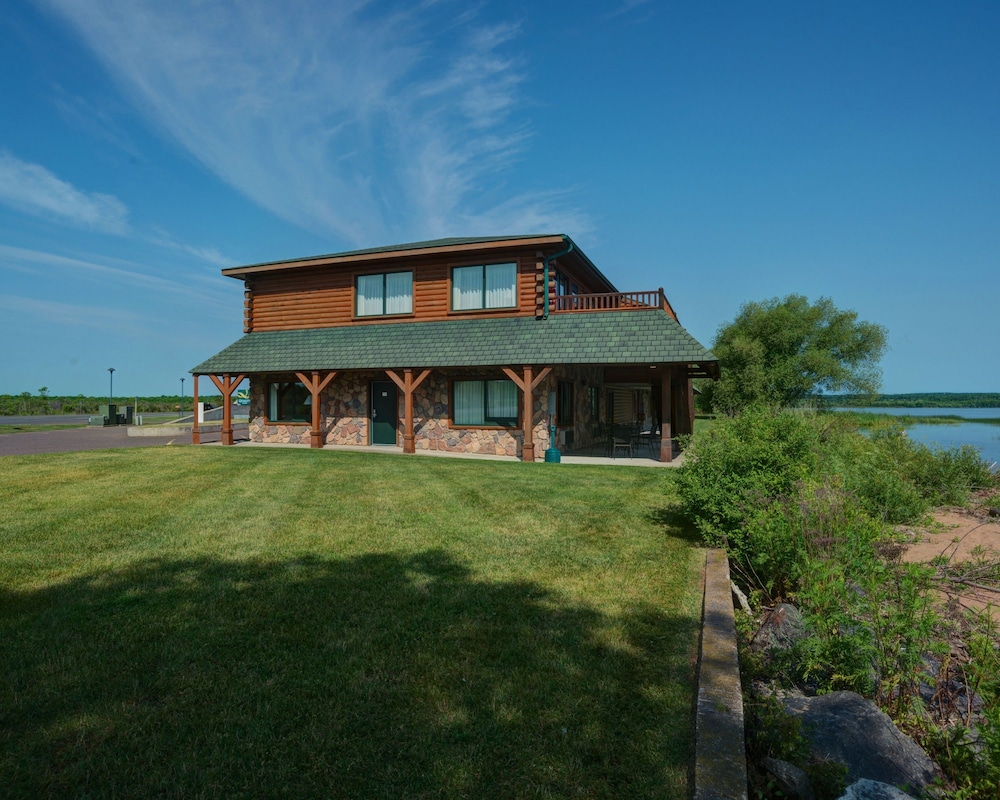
(971, 756)
(739, 461)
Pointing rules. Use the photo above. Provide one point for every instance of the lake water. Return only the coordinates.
(986, 438)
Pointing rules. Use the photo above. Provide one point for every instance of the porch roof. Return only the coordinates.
(620, 338)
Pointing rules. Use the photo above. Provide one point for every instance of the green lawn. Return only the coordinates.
(214, 622)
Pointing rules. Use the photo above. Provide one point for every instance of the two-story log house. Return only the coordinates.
(455, 344)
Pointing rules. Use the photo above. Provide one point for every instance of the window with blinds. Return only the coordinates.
(492, 403)
(484, 286)
(384, 294)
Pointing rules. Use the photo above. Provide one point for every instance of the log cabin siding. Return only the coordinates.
(324, 296)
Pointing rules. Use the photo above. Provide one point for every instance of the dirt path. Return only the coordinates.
(960, 535)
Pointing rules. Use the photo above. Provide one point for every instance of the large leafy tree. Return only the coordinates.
(784, 350)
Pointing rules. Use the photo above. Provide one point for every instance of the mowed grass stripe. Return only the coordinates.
(205, 622)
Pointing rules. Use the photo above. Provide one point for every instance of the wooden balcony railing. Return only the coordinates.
(613, 301)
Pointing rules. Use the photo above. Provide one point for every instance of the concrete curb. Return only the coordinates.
(720, 769)
(164, 430)
(178, 429)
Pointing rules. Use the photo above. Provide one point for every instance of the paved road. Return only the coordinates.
(47, 419)
(76, 439)
(69, 419)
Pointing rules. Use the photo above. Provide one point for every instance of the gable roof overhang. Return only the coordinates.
(639, 339)
(546, 244)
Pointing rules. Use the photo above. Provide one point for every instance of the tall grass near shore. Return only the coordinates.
(205, 622)
(807, 509)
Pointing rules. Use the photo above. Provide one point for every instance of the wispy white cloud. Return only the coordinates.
(70, 314)
(32, 189)
(209, 254)
(625, 7)
(368, 120)
(194, 286)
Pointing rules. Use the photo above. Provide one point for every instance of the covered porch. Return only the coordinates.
(413, 385)
(417, 409)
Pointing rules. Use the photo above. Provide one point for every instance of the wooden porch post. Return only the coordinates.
(226, 386)
(195, 433)
(528, 443)
(527, 385)
(316, 386)
(689, 397)
(227, 415)
(408, 385)
(666, 416)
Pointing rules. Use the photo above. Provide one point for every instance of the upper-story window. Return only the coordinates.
(384, 293)
(564, 286)
(484, 286)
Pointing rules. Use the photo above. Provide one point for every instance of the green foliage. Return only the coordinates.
(944, 477)
(781, 351)
(27, 404)
(971, 757)
(735, 471)
(803, 503)
(917, 400)
(872, 471)
(745, 475)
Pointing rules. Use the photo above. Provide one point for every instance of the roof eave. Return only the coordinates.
(384, 255)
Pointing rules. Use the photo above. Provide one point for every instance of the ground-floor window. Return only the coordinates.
(288, 402)
(484, 402)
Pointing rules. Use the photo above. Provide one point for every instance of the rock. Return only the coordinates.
(783, 627)
(845, 727)
(873, 790)
(789, 779)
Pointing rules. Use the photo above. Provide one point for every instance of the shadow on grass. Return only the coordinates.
(681, 527)
(379, 676)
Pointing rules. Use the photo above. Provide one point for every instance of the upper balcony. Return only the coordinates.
(612, 301)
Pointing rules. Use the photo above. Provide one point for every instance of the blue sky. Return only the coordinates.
(728, 152)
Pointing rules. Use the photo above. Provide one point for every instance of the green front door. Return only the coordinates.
(384, 412)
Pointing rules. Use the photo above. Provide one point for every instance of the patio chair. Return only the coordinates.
(598, 437)
(654, 443)
(621, 439)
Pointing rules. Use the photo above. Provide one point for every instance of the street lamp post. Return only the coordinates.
(182, 397)
(112, 417)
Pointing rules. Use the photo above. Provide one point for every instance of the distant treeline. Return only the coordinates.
(27, 404)
(918, 400)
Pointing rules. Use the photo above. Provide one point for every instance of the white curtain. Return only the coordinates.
(501, 281)
(466, 288)
(501, 400)
(370, 295)
(468, 403)
(399, 293)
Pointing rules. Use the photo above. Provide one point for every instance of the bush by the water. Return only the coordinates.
(750, 485)
(804, 506)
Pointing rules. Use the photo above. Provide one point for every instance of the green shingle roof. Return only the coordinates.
(611, 337)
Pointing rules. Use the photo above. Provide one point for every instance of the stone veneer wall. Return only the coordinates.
(346, 422)
(345, 407)
(432, 427)
(273, 432)
(345, 412)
